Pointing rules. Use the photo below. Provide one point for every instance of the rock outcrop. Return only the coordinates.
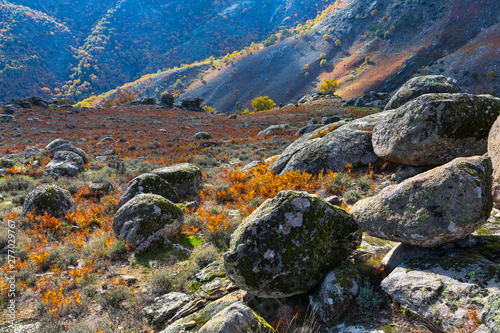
(439, 206)
(288, 245)
(422, 85)
(434, 129)
(494, 153)
(331, 147)
(65, 163)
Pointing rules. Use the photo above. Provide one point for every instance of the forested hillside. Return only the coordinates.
(80, 48)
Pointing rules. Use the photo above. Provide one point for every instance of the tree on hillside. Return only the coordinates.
(328, 86)
(263, 103)
(323, 63)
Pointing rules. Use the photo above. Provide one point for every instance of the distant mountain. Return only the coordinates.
(83, 47)
(365, 45)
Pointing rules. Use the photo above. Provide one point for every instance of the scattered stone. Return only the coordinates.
(144, 101)
(437, 207)
(167, 99)
(50, 199)
(148, 183)
(6, 118)
(148, 221)
(308, 129)
(202, 136)
(233, 116)
(421, 85)
(164, 307)
(65, 145)
(357, 101)
(334, 200)
(236, 318)
(329, 120)
(192, 104)
(101, 189)
(107, 139)
(185, 178)
(251, 165)
(331, 147)
(274, 130)
(189, 324)
(65, 163)
(8, 111)
(31, 151)
(434, 129)
(277, 251)
(337, 293)
(6, 163)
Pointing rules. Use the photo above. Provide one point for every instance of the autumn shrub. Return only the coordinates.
(351, 196)
(16, 183)
(263, 103)
(328, 86)
(323, 63)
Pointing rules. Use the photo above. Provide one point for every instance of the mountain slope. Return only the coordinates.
(108, 43)
(365, 46)
(34, 51)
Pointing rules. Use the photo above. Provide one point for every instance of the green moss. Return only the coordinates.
(190, 242)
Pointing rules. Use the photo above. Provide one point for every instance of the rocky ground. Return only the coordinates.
(145, 219)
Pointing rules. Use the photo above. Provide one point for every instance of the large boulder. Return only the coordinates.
(422, 85)
(6, 163)
(65, 163)
(50, 199)
(148, 222)
(453, 291)
(434, 129)
(337, 293)
(167, 99)
(32, 151)
(494, 153)
(185, 178)
(434, 208)
(236, 318)
(65, 145)
(331, 147)
(192, 104)
(288, 245)
(148, 183)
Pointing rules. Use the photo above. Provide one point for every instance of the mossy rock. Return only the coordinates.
(288, 245)
(5, 163)
(446, 289)
(65, 163)
(434, 129)
(494, 153)
(148, 183)
(237, 318)
(185, 178)
(422, 85)
(434, 208)
(50, 199)
(336, 295)
(148, 222)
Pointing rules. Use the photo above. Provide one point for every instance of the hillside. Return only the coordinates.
(400, 39)
(109, 43)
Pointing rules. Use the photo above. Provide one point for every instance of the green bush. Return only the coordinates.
(161, 282)
(205, 256)
(323, 63)
(113, 298)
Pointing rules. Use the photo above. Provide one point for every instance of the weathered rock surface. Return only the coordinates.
(434, 129)
(65, 163)
(164, 307)
(202, 136)
(236, 318)
(65, 145)
(148, 183)
(437, 207)
(50, 199)
(148, 221)
(422, 85)
(449, 290)
(288, 245)
(273, 130)
(185, 178)
(337, 293)
(31, 151)
(331, 147)
(202, 316)
(494, 153)
(6, 163)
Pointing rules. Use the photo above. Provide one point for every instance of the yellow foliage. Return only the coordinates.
(263, 103)
(328, 86)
